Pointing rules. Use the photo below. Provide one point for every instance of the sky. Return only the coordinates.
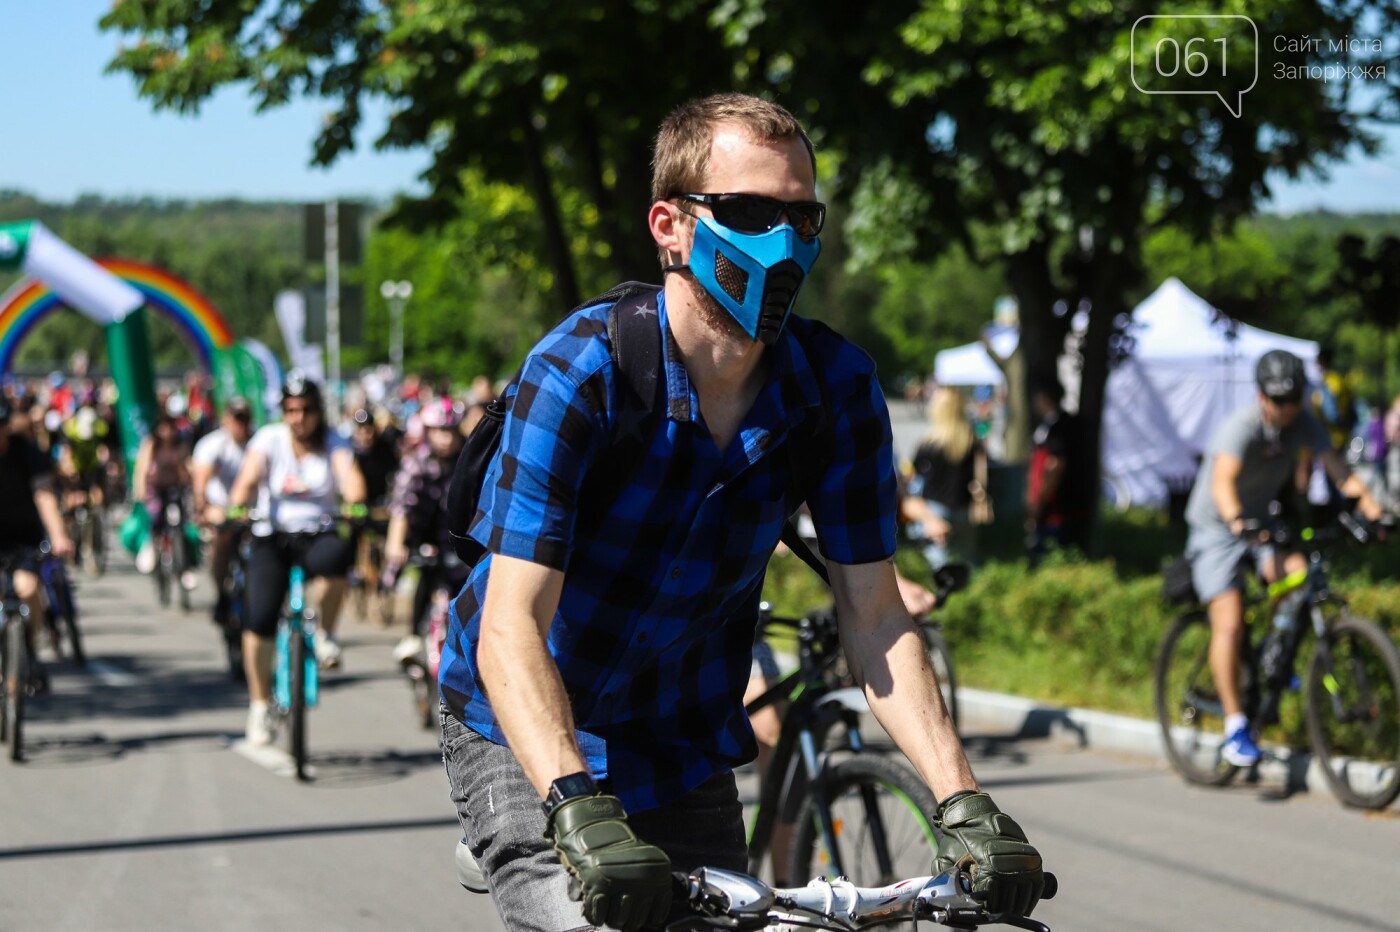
(69, 129)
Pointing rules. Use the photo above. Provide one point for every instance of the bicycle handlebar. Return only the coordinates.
(730, 900)
(1362, 530)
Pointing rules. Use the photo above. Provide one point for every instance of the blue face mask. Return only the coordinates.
(754, 276)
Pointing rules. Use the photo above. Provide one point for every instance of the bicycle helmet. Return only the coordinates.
(1280, 375)
(299, 385)
(442, 413)
(177, 405)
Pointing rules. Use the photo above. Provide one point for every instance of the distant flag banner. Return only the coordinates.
(33, 249)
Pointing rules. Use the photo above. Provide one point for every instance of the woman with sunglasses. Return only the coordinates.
(301, 472)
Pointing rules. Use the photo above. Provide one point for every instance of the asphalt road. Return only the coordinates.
(136, 810)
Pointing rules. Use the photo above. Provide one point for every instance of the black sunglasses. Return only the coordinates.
(1292, 398)
(754, 213)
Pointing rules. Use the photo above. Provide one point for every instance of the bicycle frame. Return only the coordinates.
(295, 627)
(799, 757)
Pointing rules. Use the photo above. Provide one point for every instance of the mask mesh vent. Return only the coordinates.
(734, 280)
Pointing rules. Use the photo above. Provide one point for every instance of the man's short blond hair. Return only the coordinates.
(681, 160)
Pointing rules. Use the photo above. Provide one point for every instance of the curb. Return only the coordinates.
(1086, 728)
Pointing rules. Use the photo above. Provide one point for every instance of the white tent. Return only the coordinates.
(1190, 368)
(970, 364)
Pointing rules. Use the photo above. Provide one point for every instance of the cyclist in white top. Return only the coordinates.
(214, 467)
(302, 472)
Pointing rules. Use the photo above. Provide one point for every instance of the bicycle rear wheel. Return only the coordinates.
(95, 544)
(1188, 705)
(1353, 712)
(16, 682)
(296, 645)
(883, 818)
(942, 660)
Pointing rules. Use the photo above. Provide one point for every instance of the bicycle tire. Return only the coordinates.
(96, 562)
(16, 682)
(296, 645)
(1360, 760)
(233, 637)
(907, 810)
(1188, 708)
(942, 660)
(163, 568)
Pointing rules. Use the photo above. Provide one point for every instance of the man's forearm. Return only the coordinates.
(893, 667)
(527, 694)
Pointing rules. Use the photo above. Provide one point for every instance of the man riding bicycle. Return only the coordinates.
(214, 467)
(83, 460)
(302, 472)
(598, 655)
(416, 514)
(1251, 458)
(31, 513)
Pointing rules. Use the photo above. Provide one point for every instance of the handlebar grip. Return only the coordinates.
(1052, 886)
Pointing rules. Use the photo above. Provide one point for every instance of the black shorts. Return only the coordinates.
(20, 559)
(270, 565)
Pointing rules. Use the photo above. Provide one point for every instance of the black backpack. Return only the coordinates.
(636, 349)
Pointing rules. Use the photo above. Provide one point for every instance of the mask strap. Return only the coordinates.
(678, 267)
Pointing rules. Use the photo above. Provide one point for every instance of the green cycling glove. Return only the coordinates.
(623, 881)
(988, 844)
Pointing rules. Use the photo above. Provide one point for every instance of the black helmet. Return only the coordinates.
(1280, 375)
(299, 385)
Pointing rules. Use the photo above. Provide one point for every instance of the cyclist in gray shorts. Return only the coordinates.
(1253, 454)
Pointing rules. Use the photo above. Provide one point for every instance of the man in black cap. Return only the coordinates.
(1251, 458)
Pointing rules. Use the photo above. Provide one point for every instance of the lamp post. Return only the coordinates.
(397, 294)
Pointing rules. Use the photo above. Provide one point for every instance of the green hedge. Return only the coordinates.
(1084, 632)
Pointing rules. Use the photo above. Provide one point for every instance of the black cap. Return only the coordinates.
(1280, 375)
(239, 407)
(299, 385)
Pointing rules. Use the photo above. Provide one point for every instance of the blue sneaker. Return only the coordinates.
(1239, 748)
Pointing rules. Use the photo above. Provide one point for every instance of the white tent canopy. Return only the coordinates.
(1191, 367)
(970, 364)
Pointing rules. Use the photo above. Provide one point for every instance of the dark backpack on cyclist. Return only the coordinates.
(636, 349)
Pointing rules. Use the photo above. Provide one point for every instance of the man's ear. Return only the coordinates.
(670, 229)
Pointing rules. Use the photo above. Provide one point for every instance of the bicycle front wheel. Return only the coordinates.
(297, 646)
(1188, 705)
(882, 816)
(1354, 712)
(16, 682)
(942, 660)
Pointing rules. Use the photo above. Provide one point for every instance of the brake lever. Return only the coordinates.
(1020, 922)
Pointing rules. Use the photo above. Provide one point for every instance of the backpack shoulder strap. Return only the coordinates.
(634, 336)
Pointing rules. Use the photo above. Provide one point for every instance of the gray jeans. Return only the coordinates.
(504, 824)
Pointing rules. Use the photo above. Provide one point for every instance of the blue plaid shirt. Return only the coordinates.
(655, 626)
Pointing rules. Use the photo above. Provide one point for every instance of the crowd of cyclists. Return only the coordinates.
(61, 451)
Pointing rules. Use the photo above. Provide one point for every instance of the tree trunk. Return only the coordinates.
(556, 242)
(1041, 340)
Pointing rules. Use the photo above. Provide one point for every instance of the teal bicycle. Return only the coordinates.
(296, 676)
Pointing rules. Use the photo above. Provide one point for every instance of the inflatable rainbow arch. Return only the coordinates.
(29, 302)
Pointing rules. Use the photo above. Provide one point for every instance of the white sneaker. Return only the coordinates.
(409, 649)
(188, 580)
(327, 651)
(260, 732)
